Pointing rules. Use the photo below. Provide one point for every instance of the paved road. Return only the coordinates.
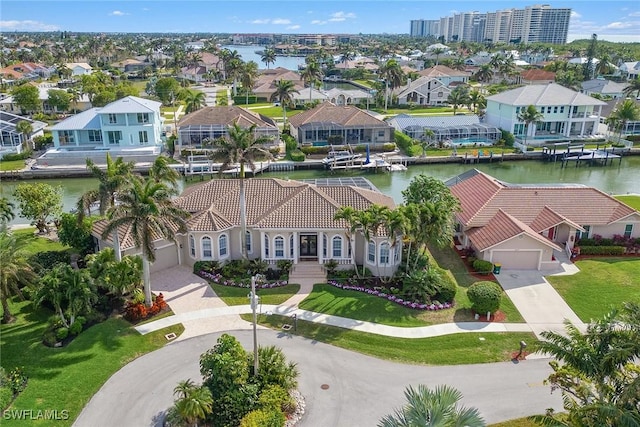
(361, 389)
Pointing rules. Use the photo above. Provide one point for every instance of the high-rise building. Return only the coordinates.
(425, 27)
(533, 24)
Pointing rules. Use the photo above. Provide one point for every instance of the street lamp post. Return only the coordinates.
(254, 304)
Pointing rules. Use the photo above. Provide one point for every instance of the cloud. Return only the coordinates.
(293, 27)
(118, 13)
(281, 21)
(634, 14)
(27, 25)
(341, 16)
(260, 21)
(318, 22)
(617, 25)
(575, 14)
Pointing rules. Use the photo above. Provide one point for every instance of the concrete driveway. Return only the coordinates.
(361, 389)
(538, 302)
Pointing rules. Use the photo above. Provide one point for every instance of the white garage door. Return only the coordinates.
(165, 257)
(517, 260)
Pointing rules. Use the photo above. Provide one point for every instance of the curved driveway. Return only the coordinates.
(361, 388)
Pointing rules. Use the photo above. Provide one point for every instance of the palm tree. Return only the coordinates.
(145, 209)
(458, 96)
(625, 112)
(346, 56)
(194, 402)
(26, 129)
(240, 147)
(248, 77)
(311, 74)
(477, 100)
(193, 99)
(15, 270)
(284, 90)
(437, 52)
(484, 74)
(268, 56)
(529, 115)
(392, 74)
(634, 87)
(6, 210)
(427, 140)
(349, 215)
(437, 408)
(161, 171)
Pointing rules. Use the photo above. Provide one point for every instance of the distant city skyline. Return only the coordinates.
(611, 20)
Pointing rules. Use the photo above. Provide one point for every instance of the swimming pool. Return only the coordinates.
(471, 141)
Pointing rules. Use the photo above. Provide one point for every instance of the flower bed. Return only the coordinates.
(218, 279)
(392, 298)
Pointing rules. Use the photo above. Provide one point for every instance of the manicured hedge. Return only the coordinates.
(482, 266)
(602, 250)
(297, 155)
(485, 297)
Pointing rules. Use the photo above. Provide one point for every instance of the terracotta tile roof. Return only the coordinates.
(345, 115)
(502, 227)
(276, 203)
(442, 70)
(227, 116)
(535, 74)
(547, 218)
(481, 196)
(125, 235)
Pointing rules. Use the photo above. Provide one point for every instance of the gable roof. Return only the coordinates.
(482, 196)
(536, 74)
(345, 115)
(131, 104)
(88, 119)
(550, 94)
(227, 116)
(603, 86)
(442, 71)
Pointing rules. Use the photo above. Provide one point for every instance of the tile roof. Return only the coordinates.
(345, 115)
(502, 227)
(482, 196)
(535, 74)
(274, 203)
(227, 116)
(550, 94)
(125, 234)
(442, 71)
(547, 218)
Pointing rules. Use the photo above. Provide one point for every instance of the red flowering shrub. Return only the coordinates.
(134, 312)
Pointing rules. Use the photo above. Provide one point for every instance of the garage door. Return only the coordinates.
(165, 257)
(517, 260)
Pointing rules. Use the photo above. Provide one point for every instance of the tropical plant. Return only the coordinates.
(484, 74)
(240, 147)
(268, 56)
(596, 371)
(633, 88)
(6, 210)
(146, 210)
(283, 94)
(193, 402)
(427, 141)
(274, 369)
(311, 74)
(624, 112)
(529, 115)
(248, 76)
(458, 96)
(26, 129)
(392, 74)
(193, 99)
(162, 172)
(74, 233)
(15, 270)
(40, 202)
(437, 408)
(117, 277)
(437, 52)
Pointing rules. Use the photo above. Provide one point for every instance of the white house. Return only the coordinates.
(631, 70)
(424, 91)
(11, 141)
(286, 220)
(566, 112)
(79, 68)
(603, 87)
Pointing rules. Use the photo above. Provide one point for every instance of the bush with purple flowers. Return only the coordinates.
(218, 279)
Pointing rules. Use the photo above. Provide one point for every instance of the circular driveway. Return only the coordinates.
(361, 390)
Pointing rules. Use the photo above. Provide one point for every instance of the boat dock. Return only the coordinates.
(374, 164)
(566, 153)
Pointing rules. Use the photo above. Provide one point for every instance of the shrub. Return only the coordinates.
(274, 369)
(42, 141)
(602, 250)
(447, 288)
(75, 328)
(331, 266)
(284, 265)
(62, 333)
(263, 418)
(419, 286)
(482, 266)
(297, 155)
(44, 261)
(208, 266)
(485, 297)
(274, 396)
(17, 156)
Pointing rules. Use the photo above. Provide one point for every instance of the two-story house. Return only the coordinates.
(566, 113)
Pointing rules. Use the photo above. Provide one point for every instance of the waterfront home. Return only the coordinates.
(604, 88)
(130, 127)
(26, 71)
(130, 65)
(424, 91)
(330, 124)
(630, 70)
(566, 113)
(286, 220)
(79, 68)
(536, 77)
(214, 122)
(529, 226)
(464, 130)
(445, 75)
(266, 82)
(81, 104)
(12, 141)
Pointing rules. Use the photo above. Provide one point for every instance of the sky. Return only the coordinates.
(610, 20)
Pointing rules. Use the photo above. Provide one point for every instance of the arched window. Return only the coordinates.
(371, 253)
(384, 253)
(248, 241)
(192, 246)
(336, 247)
(291, 247)
(266, 246)
(206, 247)
(324, 246)
(222, 246)
(278, 244)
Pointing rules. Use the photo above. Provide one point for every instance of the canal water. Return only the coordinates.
(612, 179)
(248, 53)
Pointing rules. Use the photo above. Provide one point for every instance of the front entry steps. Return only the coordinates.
(307, 270)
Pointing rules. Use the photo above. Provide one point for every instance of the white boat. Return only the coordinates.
(335, 158)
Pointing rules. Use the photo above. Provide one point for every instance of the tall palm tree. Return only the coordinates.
(161, 171)
(146, 210)
(283, 93)
(458, 96)
(248, 77)
(477, 100)
(15, 270)
(393, 76)
(437, 408)
(529, 115)
(311, 73)
(484, 74)
(268, 56)
(634, 87)
(240, 147)
(194, 403)
(26, 129)
(6, 210)
(437, 52)
(626, 111)
(193, 99)
(349, 215)
(346, 56)
(427, 140)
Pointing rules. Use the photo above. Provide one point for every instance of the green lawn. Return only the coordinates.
(274, 112)
(11, 165)
(453, 349)
(66, 378)
(519, 422)
(35, 243)
(601, 284)
(633, 201)
(238, 296)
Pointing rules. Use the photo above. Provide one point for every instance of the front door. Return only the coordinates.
(308, 246)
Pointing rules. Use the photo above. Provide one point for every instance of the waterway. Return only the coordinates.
(612, 179)
(248, 53)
